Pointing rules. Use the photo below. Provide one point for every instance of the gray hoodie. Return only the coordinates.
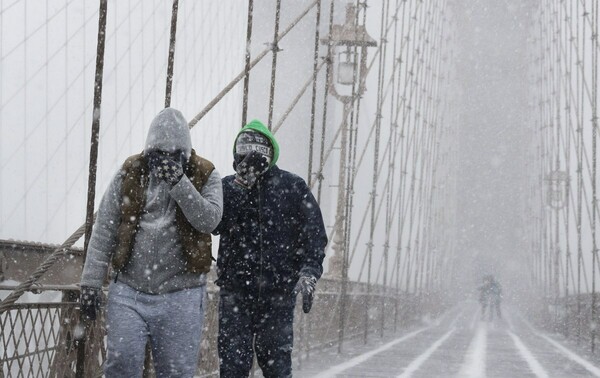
(157, 264)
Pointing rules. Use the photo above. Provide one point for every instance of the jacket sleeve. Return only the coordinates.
(103, 241)
(228, 210)
(202, 209)
(313, 235)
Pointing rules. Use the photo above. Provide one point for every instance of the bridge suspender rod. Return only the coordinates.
(537, 132)
(556, 59)
(354, 121)
(275, 50)
(381, 73)
(316, 70)
(579, 177)
(391, 175)
(328, 59)
(89, 219)
(247, 62)
(95, 136)
(594, 164)
(171, 58)
(399, 165)
(568, 108)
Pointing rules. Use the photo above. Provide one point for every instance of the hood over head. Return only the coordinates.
(257, 126)
(169, 132)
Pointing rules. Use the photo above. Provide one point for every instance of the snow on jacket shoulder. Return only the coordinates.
(270, 234)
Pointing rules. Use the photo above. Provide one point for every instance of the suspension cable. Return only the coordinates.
(89, 219)
(171, 58)
(316, 69)
(247, 62)
(275, 50)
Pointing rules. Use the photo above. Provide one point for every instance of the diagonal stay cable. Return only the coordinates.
(254, 62)
(55, 256)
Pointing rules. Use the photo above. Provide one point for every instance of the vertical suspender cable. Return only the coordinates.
(95, 135)
(275, 50)
(171, 60)
(355, 117)
(579, 178)
(247, 64)
(556, 61)
(567, 188)
(375, 166)
(400, 185)
(349, 189)
(391, 172)
(404, 131)
(311, 142)
(325, 97)
(89, 219)
(594, 164)
(314, 95)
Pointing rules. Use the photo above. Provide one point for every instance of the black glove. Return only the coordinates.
(306, 285)
(166, 166)
(90, 302)
(249, 167)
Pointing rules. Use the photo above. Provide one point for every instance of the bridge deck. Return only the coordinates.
(458, 345)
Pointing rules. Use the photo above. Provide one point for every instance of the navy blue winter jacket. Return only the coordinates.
(270, 234)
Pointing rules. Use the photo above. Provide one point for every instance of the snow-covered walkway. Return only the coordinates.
(458, 345)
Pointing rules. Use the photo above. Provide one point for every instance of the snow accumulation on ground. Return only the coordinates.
(460, 344)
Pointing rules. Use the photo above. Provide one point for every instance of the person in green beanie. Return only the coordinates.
(271, 249)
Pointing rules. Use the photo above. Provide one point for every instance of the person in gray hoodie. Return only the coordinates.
(153, 228)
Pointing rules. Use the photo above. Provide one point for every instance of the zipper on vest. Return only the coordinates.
(260, 238)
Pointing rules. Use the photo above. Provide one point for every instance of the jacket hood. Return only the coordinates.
(169, 132)
(256, 125)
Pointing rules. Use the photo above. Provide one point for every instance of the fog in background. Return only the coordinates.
(491, 61)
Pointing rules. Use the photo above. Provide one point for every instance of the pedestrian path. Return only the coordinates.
(458, 344)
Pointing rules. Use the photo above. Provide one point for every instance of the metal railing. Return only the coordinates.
(570, 316)
(37, 339)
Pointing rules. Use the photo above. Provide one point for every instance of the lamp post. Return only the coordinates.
(557, 189)
(349, 43)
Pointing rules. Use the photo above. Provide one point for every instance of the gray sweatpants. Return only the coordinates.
(172, 322)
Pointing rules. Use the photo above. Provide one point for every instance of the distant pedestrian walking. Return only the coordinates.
(490, 297)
